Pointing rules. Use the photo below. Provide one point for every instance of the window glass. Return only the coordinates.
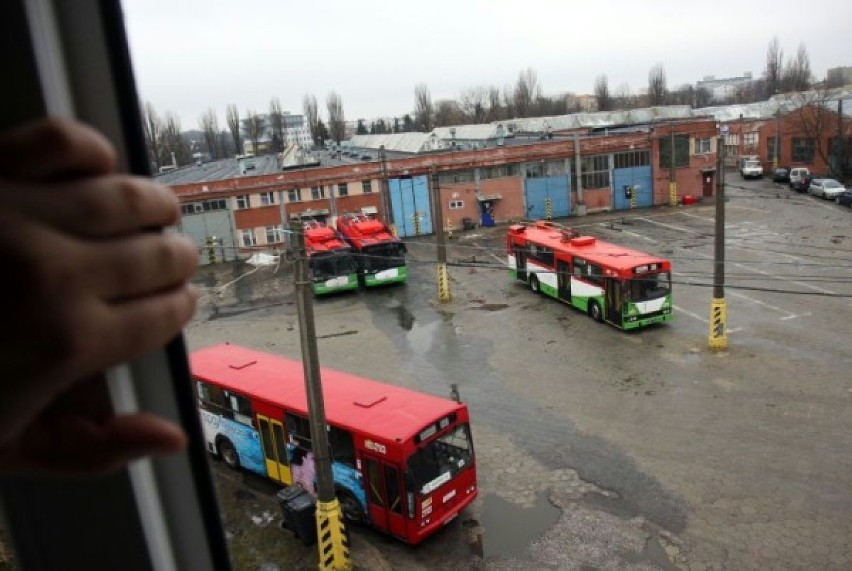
(681, 151)
(374, 483)
(392, 489)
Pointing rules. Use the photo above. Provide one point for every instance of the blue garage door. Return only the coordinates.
(538, 190)
(410, 198)
(639, 178)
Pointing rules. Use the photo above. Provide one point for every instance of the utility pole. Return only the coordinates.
(438, 215)
(777, 153)
(718, 308)
(385, 191)
(332, 543)
(672, 170)
(581, 205)
(840, 159)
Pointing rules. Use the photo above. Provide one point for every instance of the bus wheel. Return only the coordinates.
(534, 285)
(350, 507)
(595, 311)
(228, 453)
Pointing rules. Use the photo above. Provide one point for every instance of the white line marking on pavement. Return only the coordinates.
(671, 226)
(689, 313)
(744, 207)
(794, 316)
(788, 314)
(629, 233)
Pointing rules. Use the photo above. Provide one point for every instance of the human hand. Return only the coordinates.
(86, 286)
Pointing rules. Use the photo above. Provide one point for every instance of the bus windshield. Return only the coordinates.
(440, 460)
(649, 286)
(383, 256)
(325, 266)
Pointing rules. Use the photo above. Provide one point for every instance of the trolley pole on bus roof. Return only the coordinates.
(718, 308)
(443, 276)
(332, 543)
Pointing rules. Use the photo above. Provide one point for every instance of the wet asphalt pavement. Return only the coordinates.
(603, 449)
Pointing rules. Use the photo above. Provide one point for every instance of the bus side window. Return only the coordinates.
(212, 398)
(342, 446)
(579, 267)
(242, 409)
(299, 429)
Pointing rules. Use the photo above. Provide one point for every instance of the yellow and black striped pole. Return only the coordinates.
(548, 208)
(632, 197)
(415, 220)
(449, 224)
(718, 309)
(210, 242)
(331, 537)
(443, 276)
(673, 193)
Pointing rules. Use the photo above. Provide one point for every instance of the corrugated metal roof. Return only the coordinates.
(481, 132)
(400, 142)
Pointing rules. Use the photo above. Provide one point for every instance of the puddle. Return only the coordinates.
(404, 317)
(509, 528)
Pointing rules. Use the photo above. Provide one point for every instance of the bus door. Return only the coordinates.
(385, 495)
(614, 300)
(274, 449)
(563, 280)
(520, 261)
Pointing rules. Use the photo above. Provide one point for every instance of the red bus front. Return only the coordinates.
(436, 482)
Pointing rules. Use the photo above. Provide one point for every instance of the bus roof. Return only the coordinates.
(387, 411)
(362, 230)
(589, 247)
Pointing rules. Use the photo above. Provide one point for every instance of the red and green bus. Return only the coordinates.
(402, 460)
(331, 264)
(623, 287)
(380, 254)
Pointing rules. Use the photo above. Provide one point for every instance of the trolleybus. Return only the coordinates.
(623, 287)
(330, 261)
(403, 461)
(380, 254)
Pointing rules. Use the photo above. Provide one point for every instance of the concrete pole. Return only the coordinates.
(333, 547)
(578, 169)
(444, 295)
(672, 170)
(718, 308)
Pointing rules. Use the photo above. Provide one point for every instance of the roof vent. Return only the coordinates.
(369, 400)
(242, 364)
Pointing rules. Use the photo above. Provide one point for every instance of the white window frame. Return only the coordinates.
(456, 204)
(317, 192)
(703, 146)
(274, 234)
(366, 186)
(294, 195)
(343, 189)
(243, 201)
(267, 198)
(750, 139)
(248, 238)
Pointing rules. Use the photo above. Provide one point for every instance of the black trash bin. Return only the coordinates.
(299, 510)
(468, 224)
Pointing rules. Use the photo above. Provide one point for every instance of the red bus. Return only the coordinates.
(331, 264)
(380, 254)
(402, 461)
(624, 287)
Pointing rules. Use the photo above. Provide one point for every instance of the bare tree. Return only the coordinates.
(602, 96)
(276, 119)
(152, 125)
(657, 91)
(623, 98)
(527, 92)
(209, 125)
(797, 73)
(448, 112)
(474, 104)
(817, 120)
(233, 117)
(311, 110)
(254, 129)
(424, 112)
(336, 120)
(774, 68)
(173, 145)
(703, 98)
(495, 111)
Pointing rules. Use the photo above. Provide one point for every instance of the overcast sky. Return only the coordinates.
(191, 54)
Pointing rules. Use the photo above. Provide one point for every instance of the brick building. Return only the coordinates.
(537, 180)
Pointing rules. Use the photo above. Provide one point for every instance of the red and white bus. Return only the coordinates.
(624, 287)
(402, 460)
(380, 254)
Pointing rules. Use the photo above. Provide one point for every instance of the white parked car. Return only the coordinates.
(826, 188)
(751, 169)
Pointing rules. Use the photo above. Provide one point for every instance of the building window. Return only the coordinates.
(456, 176)
(367, 186)
(293, 195)
(732, 139)
(317, 192)
(343, 189)
(803, 149)
(243, 202)
(274, 234)
(595, 171)
(248, 238)
(456, 204)
(190, 208)
(208, 205)
(681, 151)
(632, 159)
(702, 146)
(498, 171)
(750, 139)
(267, 198)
